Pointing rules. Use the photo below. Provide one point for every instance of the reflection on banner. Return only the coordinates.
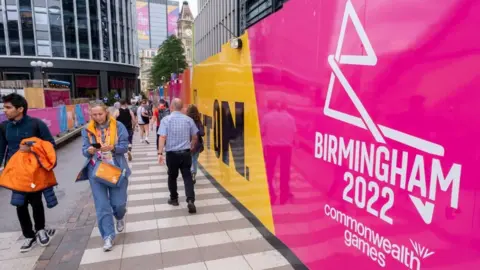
(143, 23)
(71, 119)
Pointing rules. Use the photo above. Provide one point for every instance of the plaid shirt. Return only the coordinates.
(179, 129)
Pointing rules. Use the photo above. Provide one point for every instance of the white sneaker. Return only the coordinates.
(120, 225)
(108, 245)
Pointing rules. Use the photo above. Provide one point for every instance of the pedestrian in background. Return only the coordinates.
(126, 117)
(143, 121)
(106, 140)
(180, 133)
(158, 114)
(192, 112)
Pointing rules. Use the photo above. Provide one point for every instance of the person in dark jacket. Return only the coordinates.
(125, 116)
(193, 113)
(158, 114)
(20, 126)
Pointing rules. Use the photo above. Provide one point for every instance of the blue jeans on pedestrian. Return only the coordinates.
(194, 162)
(109, 202)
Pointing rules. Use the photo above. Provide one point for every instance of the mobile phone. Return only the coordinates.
(96, 145)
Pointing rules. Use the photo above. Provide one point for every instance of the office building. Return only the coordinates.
(146, 63)
(220, 20)
(91, 43)
(154, 21)
(209, 34)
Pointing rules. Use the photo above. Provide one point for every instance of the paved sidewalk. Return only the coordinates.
(10, 242)
(160, 236)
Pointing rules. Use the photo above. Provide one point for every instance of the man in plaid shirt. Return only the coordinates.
(180, 133)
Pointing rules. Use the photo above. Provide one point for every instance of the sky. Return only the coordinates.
(193, 6)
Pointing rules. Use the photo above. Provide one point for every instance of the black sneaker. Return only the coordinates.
(191, 208)
(173, 202)
(28, 245)
(43, 238)
(51, 232)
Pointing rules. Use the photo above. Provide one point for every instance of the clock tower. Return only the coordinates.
(185, 31)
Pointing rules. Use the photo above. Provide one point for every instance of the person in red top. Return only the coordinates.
(159, 113)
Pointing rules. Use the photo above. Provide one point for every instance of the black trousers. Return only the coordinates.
(158, 136)
(180, 161)
(35, 200)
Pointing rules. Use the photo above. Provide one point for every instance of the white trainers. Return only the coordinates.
(120, 225)
(108, 245)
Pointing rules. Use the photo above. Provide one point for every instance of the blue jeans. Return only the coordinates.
(109, 202)
(194, 162)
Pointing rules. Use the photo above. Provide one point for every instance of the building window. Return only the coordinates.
(69, 27)
(27, 27)
(56, 33)
(104, 24)
(16, 76)
(122, 32)
(41, 31)
(82, 25)
(87, 86)
(127, 23)
(13, 35)
(3, 44)
(94, 34)
(113, 17)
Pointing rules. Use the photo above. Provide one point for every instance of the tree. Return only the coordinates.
(170, 59)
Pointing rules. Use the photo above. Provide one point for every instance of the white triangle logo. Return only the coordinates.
(424, 209)
(379, 132)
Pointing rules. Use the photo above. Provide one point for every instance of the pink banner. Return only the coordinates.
(86, 113)
(49, 116)
(54, 98)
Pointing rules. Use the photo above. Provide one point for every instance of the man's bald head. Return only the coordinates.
(177, 104)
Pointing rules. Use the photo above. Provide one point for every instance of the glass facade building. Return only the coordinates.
(78, 36)
(216, 16)
(151, 23)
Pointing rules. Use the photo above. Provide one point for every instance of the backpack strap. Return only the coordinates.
(35, 127)
(3, 128)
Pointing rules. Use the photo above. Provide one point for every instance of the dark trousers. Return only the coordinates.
(158, 136)
(282, 154)
(130, 136)
(181, 160)
(35, 200)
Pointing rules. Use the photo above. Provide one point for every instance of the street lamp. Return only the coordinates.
(41, 65)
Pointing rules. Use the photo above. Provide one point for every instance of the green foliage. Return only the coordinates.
(170, 59)
(111, 98)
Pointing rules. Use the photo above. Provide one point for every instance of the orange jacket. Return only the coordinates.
(31, 171)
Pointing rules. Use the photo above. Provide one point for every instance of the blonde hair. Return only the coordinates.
(95, 104)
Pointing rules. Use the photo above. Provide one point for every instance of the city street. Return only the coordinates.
(157, 235)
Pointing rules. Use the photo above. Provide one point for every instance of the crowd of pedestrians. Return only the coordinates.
(107, 140)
